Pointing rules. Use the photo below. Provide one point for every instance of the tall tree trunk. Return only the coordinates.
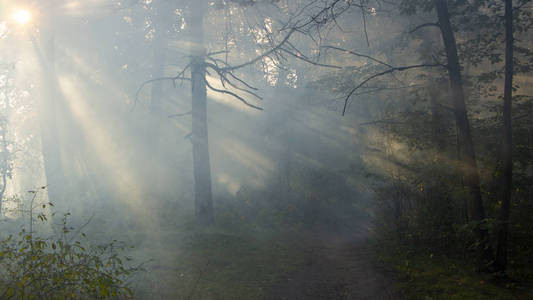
(153, 133)
(200, 144)
(48, 117)
(5, 160)
(501, 251)
(439, 139)
(468, 157)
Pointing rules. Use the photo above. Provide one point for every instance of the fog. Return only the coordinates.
(243, 149)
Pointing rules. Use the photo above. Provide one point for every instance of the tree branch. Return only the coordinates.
(301, 57)
(180, 115)
(388, 71)
(360, 55)
(232, 94)
(179, 76)
(424, 25)
(260, 57)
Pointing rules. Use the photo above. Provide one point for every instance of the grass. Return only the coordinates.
(426, 276)
(220, 263)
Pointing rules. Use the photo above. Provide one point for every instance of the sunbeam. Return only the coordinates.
(247, 149)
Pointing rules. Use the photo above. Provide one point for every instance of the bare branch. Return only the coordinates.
(364, 22)
(302, 57)
(380, 122)
(424, 25)
(73, 236)
(180, 115)
(326, 14)
(223, 79)
(243, 82)
(260, 57)
(179, 76)
(233, 95)
(360, 55)
(388, 71)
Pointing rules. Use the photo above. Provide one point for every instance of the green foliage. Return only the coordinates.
(426, 275)
(421, 213)
(63, 266)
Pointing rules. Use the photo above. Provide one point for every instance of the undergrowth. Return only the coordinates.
(64, 265)
(426, 275)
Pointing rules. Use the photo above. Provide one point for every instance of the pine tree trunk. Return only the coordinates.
(468, 157)
(200, 144)
(501, 251)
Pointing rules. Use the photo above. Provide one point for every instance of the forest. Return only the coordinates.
(266, 149)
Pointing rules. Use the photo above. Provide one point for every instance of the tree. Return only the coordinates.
(468, 156)
(48, 112)
(6, 145)
(277, 42)
(501, 250)
(199, 138)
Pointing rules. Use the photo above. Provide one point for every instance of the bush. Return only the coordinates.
(62, 266)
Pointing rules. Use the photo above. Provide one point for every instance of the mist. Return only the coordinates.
(265, 149)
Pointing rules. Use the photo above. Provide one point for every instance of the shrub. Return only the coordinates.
(62, 266)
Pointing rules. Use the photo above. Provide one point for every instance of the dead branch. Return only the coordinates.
(174, 79)
(388, 71)
(364, 22)
(232, 94)
(424, 25)
(302, 57)
(359, 55)
(180, 115)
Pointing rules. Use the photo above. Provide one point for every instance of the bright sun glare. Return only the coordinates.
(22, 16)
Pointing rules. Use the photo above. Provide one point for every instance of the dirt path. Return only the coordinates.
(337, 267)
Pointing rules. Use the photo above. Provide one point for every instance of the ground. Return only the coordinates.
(337, 267)
(297, 264)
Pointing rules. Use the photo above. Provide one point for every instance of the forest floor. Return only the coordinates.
(295, 264)
(337, 266)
